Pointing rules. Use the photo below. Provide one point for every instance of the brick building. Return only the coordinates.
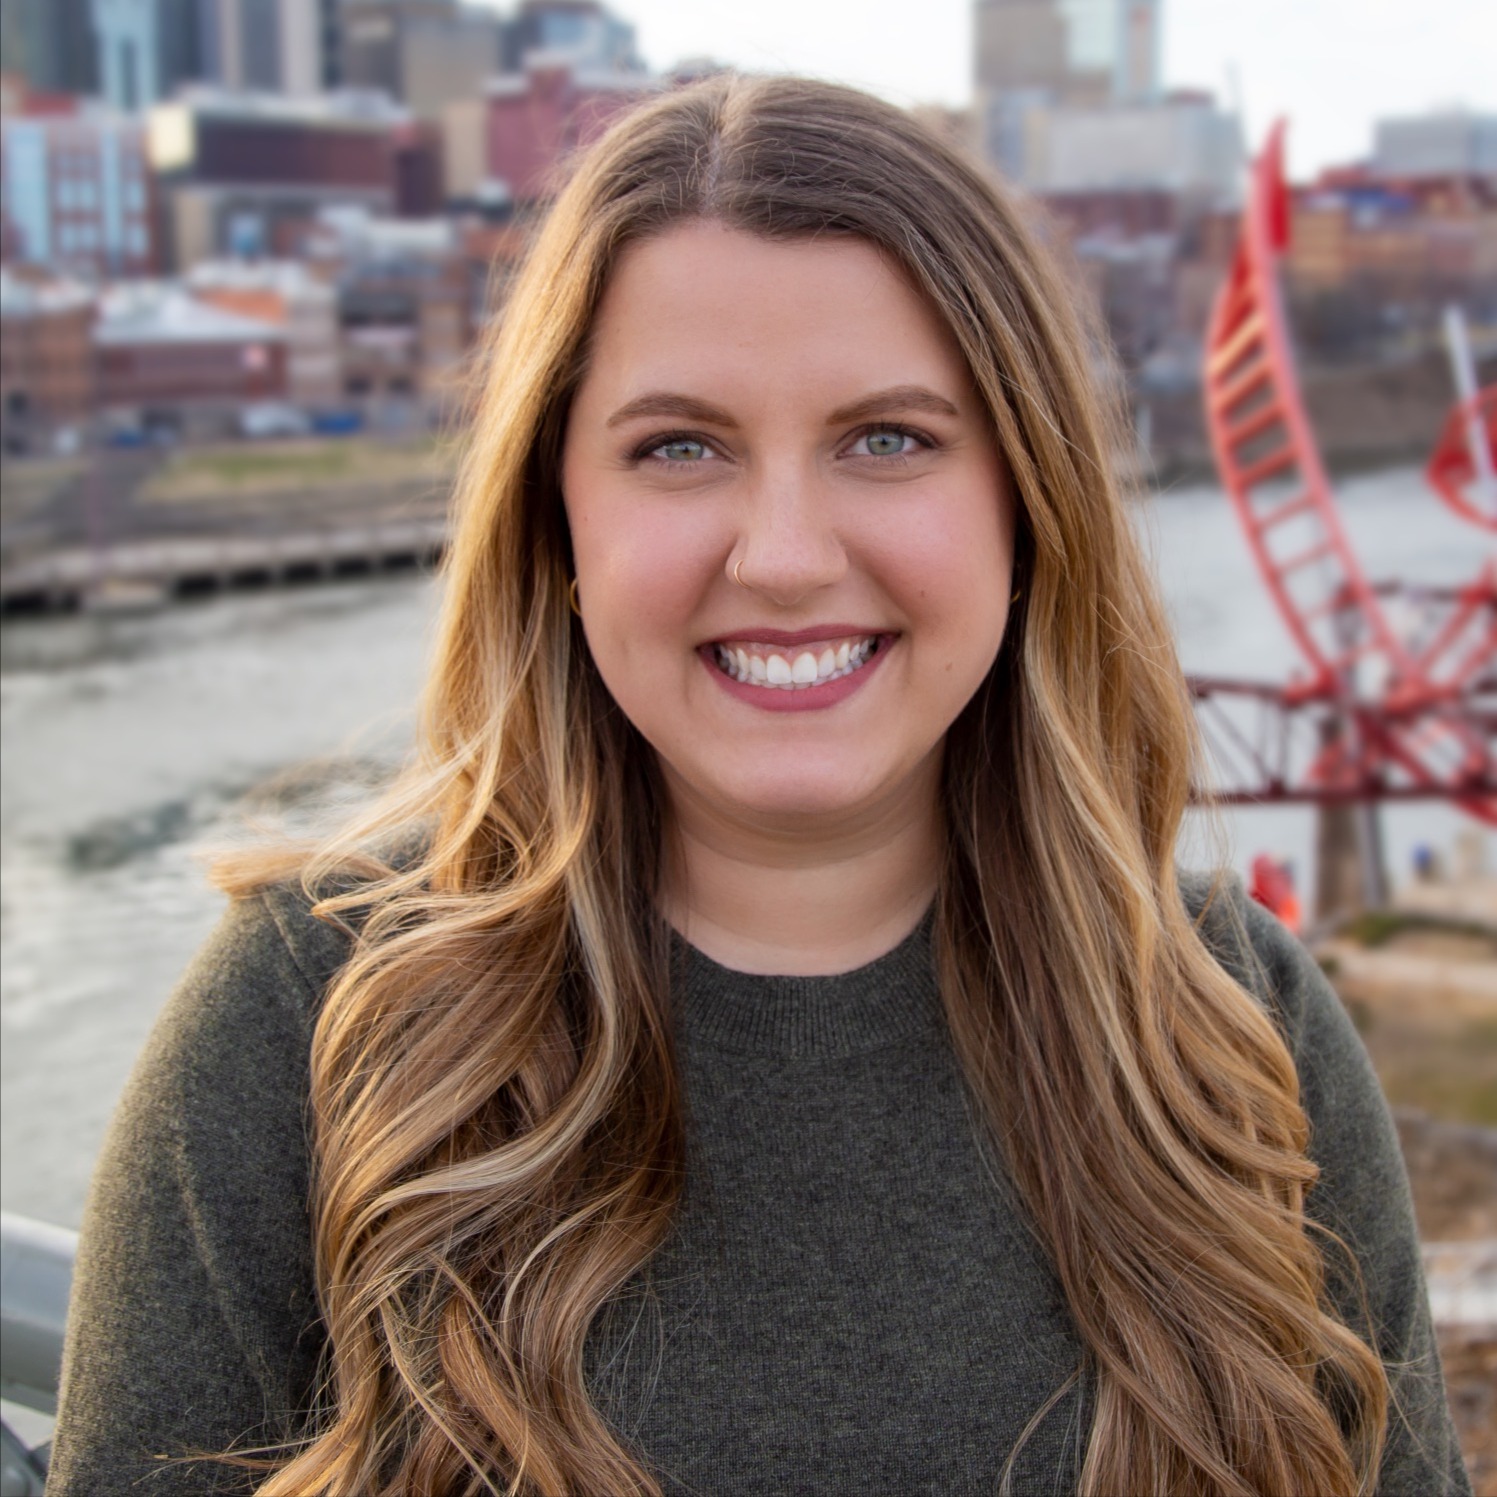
(537, 119)
(407, 310)
(46, 359)
(76, 192)
(177, 361)
(284, 294)
(245, 174)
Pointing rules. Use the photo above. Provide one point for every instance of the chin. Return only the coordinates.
(829, 793)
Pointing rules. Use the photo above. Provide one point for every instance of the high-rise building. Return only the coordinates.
(330, 45)
(583, 32)
(51, 44)
(1113, 46)
(423, 52)
(1080, 51)
(273, 46)
(147, 49)
(1021, 46)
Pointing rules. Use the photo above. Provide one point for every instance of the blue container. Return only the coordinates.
(337, 423)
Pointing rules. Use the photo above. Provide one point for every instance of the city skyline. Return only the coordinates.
(1351, 61)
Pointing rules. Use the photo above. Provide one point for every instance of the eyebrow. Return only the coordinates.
(664, 403)
(896, 398)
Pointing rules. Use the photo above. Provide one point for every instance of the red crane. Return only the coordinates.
(1394, 703)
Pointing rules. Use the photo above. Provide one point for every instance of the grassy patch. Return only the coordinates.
(1384, 927)
(29, 483)
(205, 474)
(1447, 1069)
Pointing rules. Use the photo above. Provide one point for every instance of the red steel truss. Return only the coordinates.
(1395, 702)
(1451, 473)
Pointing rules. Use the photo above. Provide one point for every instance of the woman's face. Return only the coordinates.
(792, 529)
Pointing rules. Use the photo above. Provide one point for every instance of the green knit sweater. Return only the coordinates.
(852, 1300)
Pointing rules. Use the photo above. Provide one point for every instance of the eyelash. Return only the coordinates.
(646, 450)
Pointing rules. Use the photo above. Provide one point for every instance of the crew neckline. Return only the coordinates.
(892, 998)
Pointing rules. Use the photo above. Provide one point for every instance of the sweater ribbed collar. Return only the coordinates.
(893, 998)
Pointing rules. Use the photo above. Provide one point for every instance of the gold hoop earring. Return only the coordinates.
(1019, 593)
(737, 567)
(572, 598)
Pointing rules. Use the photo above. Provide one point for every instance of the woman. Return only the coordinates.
(772, 1050)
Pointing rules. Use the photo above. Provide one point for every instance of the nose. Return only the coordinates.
(788, 547)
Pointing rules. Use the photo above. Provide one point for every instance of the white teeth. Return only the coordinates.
(806, 669)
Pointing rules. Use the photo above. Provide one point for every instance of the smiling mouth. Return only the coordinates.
(798, 668)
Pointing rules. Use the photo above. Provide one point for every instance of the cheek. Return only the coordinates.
(951, 569)
(643, 569)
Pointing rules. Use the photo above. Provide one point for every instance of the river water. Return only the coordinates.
(128, 747)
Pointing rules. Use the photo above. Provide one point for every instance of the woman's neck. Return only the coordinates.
(803, 896)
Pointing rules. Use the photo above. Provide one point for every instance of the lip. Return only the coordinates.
(757, 635)
(807, 698)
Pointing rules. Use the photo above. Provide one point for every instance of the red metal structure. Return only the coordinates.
(1451, 473)
(1399, 700)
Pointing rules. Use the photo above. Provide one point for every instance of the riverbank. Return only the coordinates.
(1420, 983)
(134, 529)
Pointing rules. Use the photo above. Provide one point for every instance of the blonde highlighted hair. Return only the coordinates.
(505, 1008)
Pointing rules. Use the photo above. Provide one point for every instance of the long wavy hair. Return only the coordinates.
(498, 1135)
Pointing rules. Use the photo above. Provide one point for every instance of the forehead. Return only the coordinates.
(706, 304)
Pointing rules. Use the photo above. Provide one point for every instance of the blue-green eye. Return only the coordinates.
(887, 442)
(680, 450)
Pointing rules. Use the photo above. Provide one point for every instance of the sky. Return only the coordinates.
(1331, 66)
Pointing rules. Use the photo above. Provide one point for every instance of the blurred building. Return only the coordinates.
(1183, 145)
(176, 361)
(1457, 143)
(1372, 262)
(1073, 51)
(246, 174)
(425, 53)
(51, 44)
(465, 153)
(416, 158)
(146, 49)
(272, 46)
(538, 119)
(76, 193)
(1020, 46)
(405, 304)
(46, 358)
(284, 294)
(1068, 99)
(583, 31)
(330, 47)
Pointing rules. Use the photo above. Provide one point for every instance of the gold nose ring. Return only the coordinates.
(737, 566)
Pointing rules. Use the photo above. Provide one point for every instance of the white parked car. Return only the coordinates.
(274, 418)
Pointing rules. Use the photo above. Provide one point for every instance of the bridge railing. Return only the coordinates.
(36, 1277)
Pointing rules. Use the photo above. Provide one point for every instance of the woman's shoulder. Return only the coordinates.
(269, 958)
(1352, 1136)
(283, 937)
(1256, 949)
